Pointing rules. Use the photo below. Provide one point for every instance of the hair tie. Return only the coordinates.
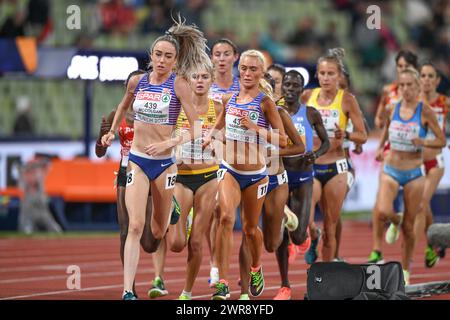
(169, 33)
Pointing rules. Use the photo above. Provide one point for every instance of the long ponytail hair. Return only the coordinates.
(190, 46)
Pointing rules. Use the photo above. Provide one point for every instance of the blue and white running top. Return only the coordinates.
(236, 112)
(156, 104)
(304, 128)
(216, 92)
(401, 132)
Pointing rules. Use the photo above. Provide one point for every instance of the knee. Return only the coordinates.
(135, 228)
(226, 219)
(195, 247)
(408, 229)
(381, 213)
(177, 245)
(158, 232)
(250, 231)
(150, 246)
(272, 244)
(299, 236)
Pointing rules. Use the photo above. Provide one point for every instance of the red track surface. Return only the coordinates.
(36, 268)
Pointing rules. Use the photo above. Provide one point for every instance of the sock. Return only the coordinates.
(214, 270)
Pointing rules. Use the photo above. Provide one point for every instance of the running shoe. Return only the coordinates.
(129, 295)
(222, 291)
(158, 289)
(431, 257)
(393, 232)
(291, 222)
(338, 259)
(176, 211)
(284, 293)
(292, 253)
(256, 286)
(189, 221)
(244, 297)
(375, 257)
(312, 254)
(304, 247)
(184, 296)
(406, 276)
(213, 277)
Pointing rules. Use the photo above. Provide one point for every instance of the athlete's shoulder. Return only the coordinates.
(306, 95)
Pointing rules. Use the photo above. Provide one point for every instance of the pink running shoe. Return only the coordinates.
(284, 293)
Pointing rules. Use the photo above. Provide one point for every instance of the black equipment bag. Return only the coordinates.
(344, 281)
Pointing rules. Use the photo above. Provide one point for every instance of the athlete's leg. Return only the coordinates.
(203, 208)
(300, 204)
(229, 199)
(282, 259)
(333, 196)
(176, 237)
(316, 195)
(148, 241)
(338, 237)
(136, 196)
(273, 216)
(251, 211)
(413, 192)
(424, 217)
(162, 194)
(387, 191)
(159, 258)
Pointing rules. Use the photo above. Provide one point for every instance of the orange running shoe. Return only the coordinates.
(292, 253)
(284, 293)
(304, 247)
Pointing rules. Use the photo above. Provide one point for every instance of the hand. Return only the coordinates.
(418, 142)
(379, 122)
(358, 149)
(249, 124)
(155, 149)
(379, 156)
(309, 157)
(338, 132)
(104, 127)
(107, 139)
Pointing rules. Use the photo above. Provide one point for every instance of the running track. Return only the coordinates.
(36, 268)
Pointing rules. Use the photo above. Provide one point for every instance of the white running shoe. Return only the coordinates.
(393, 232)
(292, 220)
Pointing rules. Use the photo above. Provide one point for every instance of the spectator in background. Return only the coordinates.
(13, 14)
(192, 11)
(34, 214)
(157, 19)
(23, 125)
(38, 22)
(117, 17)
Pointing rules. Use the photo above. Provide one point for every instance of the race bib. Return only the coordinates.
(234, 128)
(282, 178)
(342, 166)
(152, 107)
(401, 135)
(130, 178)
(330, 119)
(220, 174)
(171, 178)
(262, 190)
